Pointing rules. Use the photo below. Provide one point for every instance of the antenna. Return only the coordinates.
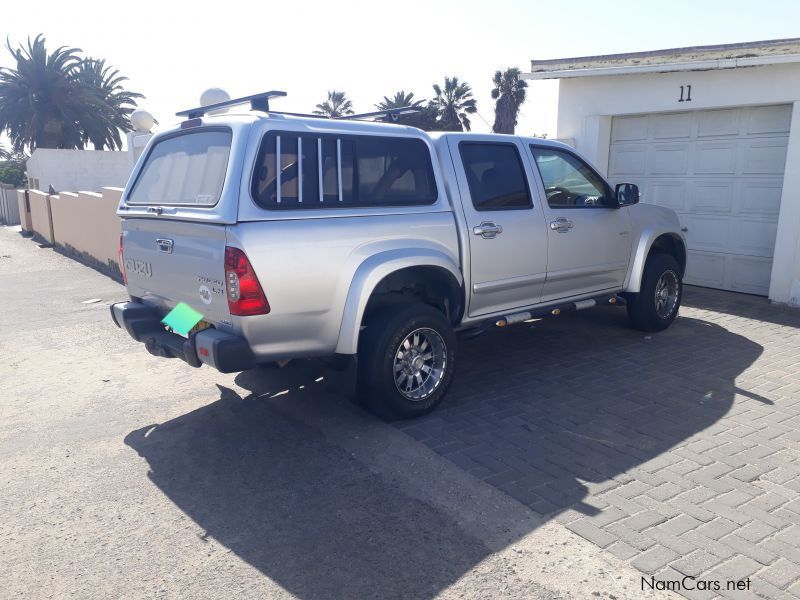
(257, 102)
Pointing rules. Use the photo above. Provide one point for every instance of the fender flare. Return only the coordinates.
(370, 273)
(642, 250)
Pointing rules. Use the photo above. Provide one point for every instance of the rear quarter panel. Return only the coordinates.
(307, 267)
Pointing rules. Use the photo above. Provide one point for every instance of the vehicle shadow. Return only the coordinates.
(553, 412)
(297, 507)
(543, 413)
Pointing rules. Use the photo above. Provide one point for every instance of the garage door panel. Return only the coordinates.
(704, 268)
(669, 159)
(717, 158)
(715, 196)
(760, 197)
(750, 275)
(629, 159)
(670, 194)
(722, 172)
(626, 129)
(769, 119)
(708, 233)
(672, 126)
(718, 122)
(764, 156)
(753, 237)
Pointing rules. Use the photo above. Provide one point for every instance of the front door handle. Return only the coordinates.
(487, 230)
(561, 225)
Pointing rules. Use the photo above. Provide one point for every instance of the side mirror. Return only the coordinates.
(627, 194)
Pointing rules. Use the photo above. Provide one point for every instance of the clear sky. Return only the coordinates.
(173, 50)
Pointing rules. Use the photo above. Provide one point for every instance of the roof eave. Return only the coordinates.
(699, 65)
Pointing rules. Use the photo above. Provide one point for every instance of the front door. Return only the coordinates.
(507, 236)
(589, 236)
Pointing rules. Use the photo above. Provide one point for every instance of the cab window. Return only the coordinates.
(568, 181)
(495, 176)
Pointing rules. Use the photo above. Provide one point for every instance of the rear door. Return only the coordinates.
(507, 236)
(174, 230)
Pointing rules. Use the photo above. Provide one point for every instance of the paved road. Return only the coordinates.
(123, 475)
(678, 452)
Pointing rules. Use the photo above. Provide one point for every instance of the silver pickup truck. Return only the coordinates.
(297, 236)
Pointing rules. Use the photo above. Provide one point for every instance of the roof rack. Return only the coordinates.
(260, 102)
(257, 102)
(392, 113)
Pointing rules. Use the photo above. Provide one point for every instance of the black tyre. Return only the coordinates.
(656, 305)
(406, 361)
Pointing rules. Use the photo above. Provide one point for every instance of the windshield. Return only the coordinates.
(186, 169)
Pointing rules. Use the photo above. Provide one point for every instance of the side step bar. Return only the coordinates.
(552, 310)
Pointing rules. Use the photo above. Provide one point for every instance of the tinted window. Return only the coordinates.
(335, 171)
(184, 169)
(568, 181)
(495, 176)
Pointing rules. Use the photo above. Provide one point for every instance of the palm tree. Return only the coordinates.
(509, 92)
(425, 118)
(4, 154)
(114, 106)
(54, 100)
(39, 105)
(337, 105)
(453, 104)
(400, 100)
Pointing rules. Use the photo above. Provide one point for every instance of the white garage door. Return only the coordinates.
(722, 172)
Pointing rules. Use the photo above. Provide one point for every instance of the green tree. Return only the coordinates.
(13, 173)
(453, 103)
(337, 105)
(509, 93)
(49, 100)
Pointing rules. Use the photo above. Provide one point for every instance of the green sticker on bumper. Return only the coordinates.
(182, 318)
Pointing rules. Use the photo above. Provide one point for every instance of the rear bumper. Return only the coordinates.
(225, 352)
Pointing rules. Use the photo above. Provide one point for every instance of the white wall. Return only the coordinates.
(586, 105)
(77, 170)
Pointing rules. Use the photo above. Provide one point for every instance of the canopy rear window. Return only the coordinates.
(184, 169)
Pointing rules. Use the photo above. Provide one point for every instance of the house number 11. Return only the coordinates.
(688, 90)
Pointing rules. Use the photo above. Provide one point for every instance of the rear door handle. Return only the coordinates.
(561, 225)
(487, 230)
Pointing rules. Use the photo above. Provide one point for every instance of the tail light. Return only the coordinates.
(245, 296)
(122, 262)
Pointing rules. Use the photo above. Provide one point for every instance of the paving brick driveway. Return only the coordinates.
(678, 451)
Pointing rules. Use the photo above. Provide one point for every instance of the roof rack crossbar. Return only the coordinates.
(392, 113)
(296, 114)
(258, 102)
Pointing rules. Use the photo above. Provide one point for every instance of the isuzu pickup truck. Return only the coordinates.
(298, 236)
